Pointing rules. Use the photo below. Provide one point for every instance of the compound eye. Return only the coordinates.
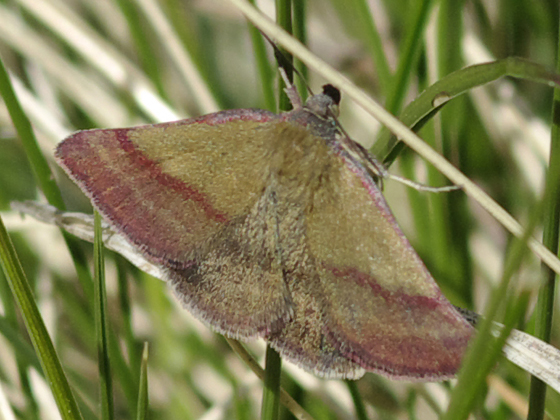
(332, 92)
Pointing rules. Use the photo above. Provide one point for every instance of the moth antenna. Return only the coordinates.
(379, 171)
(419, 186)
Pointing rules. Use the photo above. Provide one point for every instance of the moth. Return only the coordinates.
(272, 225)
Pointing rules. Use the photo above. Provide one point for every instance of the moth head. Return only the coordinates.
(325, 104)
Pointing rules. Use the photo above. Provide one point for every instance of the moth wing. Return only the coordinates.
(362, 297)
(184, 193)
(304, 340)
(382, 308)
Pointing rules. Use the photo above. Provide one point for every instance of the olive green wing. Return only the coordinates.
(192, 197)
(363, 299)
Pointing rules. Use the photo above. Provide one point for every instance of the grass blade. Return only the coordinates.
(101, 327)
(271, 391)
(142, 412)
(486, 348)
(426, 105)
(551, 227)
(357, 399)
(264, 69)
(42, 343)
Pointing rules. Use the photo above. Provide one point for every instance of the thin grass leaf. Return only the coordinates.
(285, 398)
(271, 390)
(23, 350)
(551, 227)
(299, 13)
(450, 25)
(367, 32)
(181, 58)
(284, 20)
(486, 348)
(143, 403)
(264, 69)
(273, 363)
(408, 55)
(41, 170)
(101, 327)
(42, 343)
(122, 372)
(426, 105)
(144, 49)
(126, 314)
(273, 369)
(358, 401)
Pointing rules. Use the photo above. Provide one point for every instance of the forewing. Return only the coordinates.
(185, 193)
(383, 308)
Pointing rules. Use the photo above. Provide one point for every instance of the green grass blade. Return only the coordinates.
(271, 391)
(142, 412)
(367, 32)
(285, 398)
(284, 19)
(41, 170)
(299, 13)
(434, 97)
(409, 54)
(357, 399)
(551, 227)
(125, 305)
(264, 69)
(273, 362)
(35, 326)
(450, 33)
(140, 36)
(101, 327)
(22, 349)
(484, 351)
(273, 368)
